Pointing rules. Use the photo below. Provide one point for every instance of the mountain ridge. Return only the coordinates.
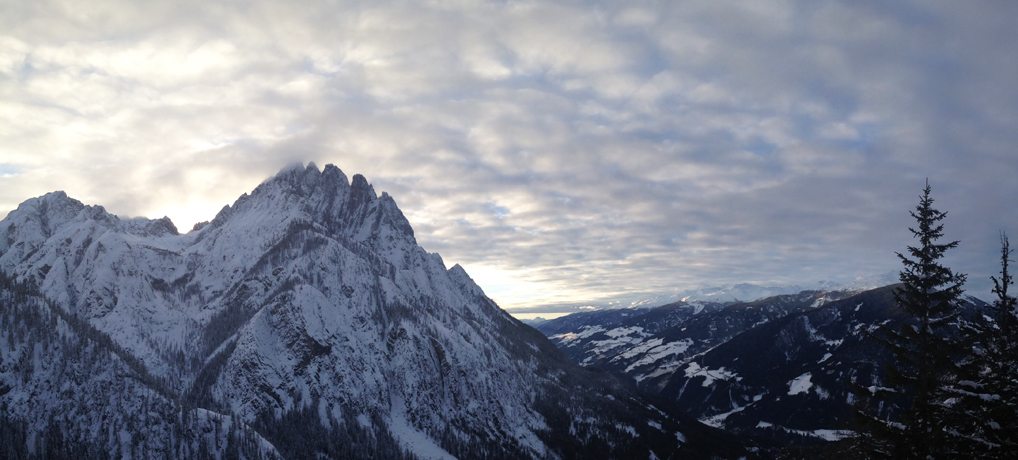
(308, 302)
(787, 368)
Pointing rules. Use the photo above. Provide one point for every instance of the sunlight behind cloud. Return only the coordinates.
(568, 153)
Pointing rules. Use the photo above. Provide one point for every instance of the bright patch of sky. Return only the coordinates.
(566, 154)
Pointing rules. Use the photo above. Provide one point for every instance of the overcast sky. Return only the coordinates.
(565, 153)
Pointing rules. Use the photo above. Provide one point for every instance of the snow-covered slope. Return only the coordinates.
(790, 377)
(307, 311)
(781, 368)
(68, 391)
(651, 345)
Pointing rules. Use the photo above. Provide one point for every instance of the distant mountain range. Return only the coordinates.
(744, 292)
(748, 292)
(304, 321)
(778, 368)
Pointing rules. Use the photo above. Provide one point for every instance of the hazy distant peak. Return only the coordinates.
(748, 292)
(862, 283)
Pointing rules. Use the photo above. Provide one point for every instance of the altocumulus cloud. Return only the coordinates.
(566, 153)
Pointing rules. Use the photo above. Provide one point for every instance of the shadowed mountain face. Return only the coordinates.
(787, 368)
(790, 377)
(307, 313)
(651, 345)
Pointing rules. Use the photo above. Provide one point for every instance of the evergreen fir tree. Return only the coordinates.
(989, 393)
(923, 352)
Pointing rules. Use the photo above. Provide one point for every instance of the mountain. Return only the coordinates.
(307, 316)
(793, 377)
(790, 377)
(748, 292)
(742, 292)
(650, 345)
(68, 391)
(786, 368)
(532, 322)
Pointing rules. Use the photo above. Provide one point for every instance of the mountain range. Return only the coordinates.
(786, 368)
(303, 321)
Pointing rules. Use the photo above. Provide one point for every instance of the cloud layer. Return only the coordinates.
(566, 153)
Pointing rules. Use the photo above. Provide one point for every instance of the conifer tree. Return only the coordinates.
(922, 351)
(1002, 354)
(988, 393)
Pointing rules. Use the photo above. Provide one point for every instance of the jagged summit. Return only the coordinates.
(305, 178)
(40, 218)
(326, 198)
(308, 303)
(106, 268)
(150, 227)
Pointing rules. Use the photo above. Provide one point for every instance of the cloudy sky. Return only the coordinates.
(565, 153)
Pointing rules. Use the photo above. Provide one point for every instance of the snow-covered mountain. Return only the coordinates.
(780, 368)
(748, 292)
(650, 345)
(792, 377)
(68, 391)
(307, 313)
(743, 292)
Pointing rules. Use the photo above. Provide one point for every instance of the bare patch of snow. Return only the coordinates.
(639, 349)
(657, 353)
(584, 333)
(826, 435)
(694, 370)
(624, 331)
(800, 384)
(717, 421)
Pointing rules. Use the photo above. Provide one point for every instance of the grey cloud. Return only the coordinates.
(567, 154)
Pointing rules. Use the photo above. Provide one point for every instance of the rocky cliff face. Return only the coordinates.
(308, 304)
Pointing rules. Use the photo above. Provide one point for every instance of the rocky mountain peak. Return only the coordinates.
(308, 181)
(307, 306)
(150, 227)
(49, 210)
